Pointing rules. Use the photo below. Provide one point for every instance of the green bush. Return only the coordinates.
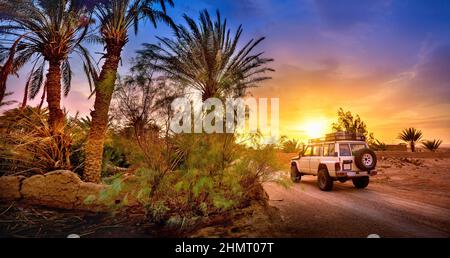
(215, 175)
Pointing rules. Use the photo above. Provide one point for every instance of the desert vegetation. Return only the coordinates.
(432, 145)
(411, 136)
(125, 142)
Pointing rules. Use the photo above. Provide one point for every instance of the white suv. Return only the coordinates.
(339, 157)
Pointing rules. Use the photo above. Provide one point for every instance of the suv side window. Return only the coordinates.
(357, 147)
(317, 150)
(331, 150)
(326, 148)
(344, 150)
(308, 151)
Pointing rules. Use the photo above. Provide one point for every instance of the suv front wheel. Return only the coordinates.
(295, 174)
(324, 180)
(361, 182)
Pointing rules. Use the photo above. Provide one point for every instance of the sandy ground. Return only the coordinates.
(409, 198)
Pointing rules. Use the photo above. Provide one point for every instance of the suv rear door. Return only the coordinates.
(345, 154)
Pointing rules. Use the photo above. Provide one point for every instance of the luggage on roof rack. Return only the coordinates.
(340, 136)
(343, 136)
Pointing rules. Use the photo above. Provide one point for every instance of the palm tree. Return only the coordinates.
(432, 145)
(411, 136)
(48, 32)
(206, 57)
(116, 18)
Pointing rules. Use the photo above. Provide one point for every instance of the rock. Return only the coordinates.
(64, 190)
(87, 197)
(10, 187)
(55, 189)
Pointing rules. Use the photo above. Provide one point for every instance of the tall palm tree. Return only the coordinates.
(116, 18)
(411, 136)
(207, 57)
(48, 32)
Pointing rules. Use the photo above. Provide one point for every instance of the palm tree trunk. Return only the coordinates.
(96, 138)
(53, 86)
(413, 147)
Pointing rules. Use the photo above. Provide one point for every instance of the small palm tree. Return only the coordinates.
(432, 145)
(411, 136)
(115, 18)
(290, 145)
(47, 33)
(207, 57)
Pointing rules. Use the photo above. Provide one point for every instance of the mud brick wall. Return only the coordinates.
(58, 189)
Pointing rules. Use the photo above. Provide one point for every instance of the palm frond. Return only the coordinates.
(37, 78)
(205, 56)
(66, 76)
(411, 135)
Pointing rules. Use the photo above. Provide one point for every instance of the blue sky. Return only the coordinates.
(387, 60)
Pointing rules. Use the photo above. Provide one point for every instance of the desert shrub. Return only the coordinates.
(377, 145)
(433, 145)
(214, 175)
(30, 146)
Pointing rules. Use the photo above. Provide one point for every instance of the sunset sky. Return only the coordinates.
(387, 60)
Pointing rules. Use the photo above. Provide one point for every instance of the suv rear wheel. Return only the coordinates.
(365, 159)
(324, 180)
(361, 182)
(295, 174)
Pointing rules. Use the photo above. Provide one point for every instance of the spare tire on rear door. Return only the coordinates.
(365, 159)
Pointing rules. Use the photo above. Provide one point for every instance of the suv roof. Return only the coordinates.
(339, 136)
(340, 141)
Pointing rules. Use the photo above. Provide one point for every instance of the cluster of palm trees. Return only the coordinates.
(46, 33)
(412, 136)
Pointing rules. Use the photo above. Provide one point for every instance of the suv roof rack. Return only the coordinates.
(340, 136)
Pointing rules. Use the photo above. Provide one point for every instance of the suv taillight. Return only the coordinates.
(337, 167)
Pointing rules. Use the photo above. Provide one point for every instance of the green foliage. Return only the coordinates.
(210, 58)
(347, 122)
(36, 25)
(291, 145)
(215, 175)
(433, 145)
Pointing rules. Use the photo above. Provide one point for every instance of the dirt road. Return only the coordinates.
(349, 212)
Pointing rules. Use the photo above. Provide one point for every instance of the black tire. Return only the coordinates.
(295, 174)
(361, 182)
(342, 179)
(324, 181)
(365, 159)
